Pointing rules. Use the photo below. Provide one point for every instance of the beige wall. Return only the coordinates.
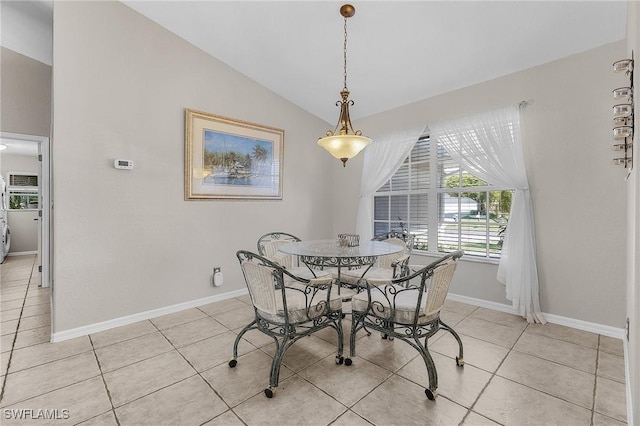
(578, 195)
(633, 234)
(126, 241)
(25, 94)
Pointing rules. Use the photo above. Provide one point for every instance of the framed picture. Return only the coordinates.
(231, 159)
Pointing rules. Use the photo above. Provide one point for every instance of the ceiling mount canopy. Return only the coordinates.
(343, 142)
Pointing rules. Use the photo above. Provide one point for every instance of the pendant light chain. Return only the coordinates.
(345, 53)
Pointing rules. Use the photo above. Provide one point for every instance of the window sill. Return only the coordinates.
(473, 259)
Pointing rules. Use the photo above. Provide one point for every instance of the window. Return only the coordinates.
(23, 190)
(23, 200)
(444, 206)
(23, 180)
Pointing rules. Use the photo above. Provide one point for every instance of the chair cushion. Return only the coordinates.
(383, 297)
(302, 307)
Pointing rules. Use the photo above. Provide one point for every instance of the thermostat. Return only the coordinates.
(123, 164)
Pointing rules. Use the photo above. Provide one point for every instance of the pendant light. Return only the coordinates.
(343, 142)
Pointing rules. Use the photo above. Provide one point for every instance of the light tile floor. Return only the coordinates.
(173, 370)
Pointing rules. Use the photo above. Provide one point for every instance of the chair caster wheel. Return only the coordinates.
(269, 392)
(348, 362)
(384, 336)
(233, 362)
(460, 362)
(431, 394)
(339, 360)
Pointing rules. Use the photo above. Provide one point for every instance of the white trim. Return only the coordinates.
(22, 253)
(129, 319)
(117, 322)
(627, 381)
(483, 303)
(45, 205)
(467, 258)
(605, 330)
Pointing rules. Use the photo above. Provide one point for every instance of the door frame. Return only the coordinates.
(46, 204)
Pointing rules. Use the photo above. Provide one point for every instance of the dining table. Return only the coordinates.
(320, 254)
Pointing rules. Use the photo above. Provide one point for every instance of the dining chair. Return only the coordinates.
(389, 266)
(268, 246)
(287, 309)
(408, 308)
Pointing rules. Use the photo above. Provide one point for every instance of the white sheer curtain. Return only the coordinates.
(488, 145)
(381, 160)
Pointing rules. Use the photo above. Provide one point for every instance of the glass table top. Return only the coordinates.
(331, 248)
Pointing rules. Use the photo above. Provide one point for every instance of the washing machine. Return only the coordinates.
(6, 239)
(4, 218)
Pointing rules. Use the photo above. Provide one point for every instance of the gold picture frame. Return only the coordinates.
(231, 159)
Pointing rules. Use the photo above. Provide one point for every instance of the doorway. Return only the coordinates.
(24, 156)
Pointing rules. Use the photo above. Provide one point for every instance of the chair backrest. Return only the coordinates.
(404, 236)
(432, 285)
(259, 279)
(268, 246)
(270, 285)
(264, 279)
(439, 285)
(387, 260)
(403, 239)
(434, 279)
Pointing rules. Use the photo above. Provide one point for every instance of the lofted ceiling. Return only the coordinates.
(398, 52)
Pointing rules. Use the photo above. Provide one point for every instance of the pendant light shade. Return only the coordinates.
(344, 147)
(343, 142)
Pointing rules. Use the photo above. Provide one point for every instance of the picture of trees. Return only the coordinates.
(236, 160)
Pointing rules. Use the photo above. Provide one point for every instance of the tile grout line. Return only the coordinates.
(197, 374)
(491, 378)
(296, 374)
(104, 382)
(511, 350)
(391, 374)
(15, 336)
(455, 402)
(542, 391)
(229, 330)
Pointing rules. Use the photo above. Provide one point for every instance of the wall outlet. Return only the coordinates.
(218, 278)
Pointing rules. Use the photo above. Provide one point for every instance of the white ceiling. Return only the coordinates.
(19, 146)
(398, 52)
(27, 28)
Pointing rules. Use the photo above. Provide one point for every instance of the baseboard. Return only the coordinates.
(554, 319)
(22, 253)
(482, 303)
(605, 330)
(117, 322)
(129, 319)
